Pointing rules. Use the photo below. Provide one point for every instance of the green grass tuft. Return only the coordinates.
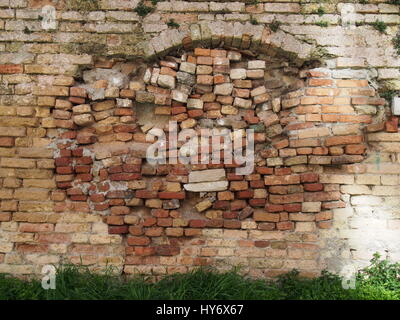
(274, 26)
(172, 24)
(322, 24)
(143, 10)
(380, 26)
(253, 21)
(380, 280)
(396, 43)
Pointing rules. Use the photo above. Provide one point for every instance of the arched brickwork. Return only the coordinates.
(303, 119)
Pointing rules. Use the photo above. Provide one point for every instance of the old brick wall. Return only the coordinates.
(74, 111)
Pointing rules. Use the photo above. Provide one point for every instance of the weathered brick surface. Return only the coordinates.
(74, 181)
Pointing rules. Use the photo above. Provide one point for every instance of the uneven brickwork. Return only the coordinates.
(75, 182)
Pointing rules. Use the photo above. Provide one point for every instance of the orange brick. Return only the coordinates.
(320, 82)
(316, 100)
(355, 118)
(322, 92)
(205, 60)
(355, 149)
(351, 83)
(202, 52)
(281, 180)
(333, 141)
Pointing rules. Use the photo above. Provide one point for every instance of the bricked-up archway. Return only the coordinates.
(303, 120)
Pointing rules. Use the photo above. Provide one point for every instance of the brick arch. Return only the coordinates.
(214, 34)
(302, 142)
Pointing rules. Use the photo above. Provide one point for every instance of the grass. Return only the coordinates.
(380, 281)
(380, 26)
(396, 43)
(274, 25)
(173, 24)
(143, 10)
(322, 24)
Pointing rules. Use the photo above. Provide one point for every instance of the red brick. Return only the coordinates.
(267, 226)
(164, 222)
(320, 150)
(366, 101)
(265, 216)
(285, 225)
(77, 92)
(146, 194)
(64, 170)
(261, 243)
(197, 223)
(97, 197)
(160, 213)
(136, 230)
(238, 204)
(392, 125)
(32, 248)
(282, 171)
(219, 204)
(214, 223)
(333, 205)
(101, 206)
(290, 198)
(148, 222)
(115, 220)
(274, 207)
(5, 216)
(313, 187)
(257, 184)
(202, 52)
(85, 177)
(120, 210)
(324, 224)
(245, 194)
(11, 68)
(233, 177)
(171, 195)
(195, 113)
(355, 149)
(264, 170)
(84, 160)
(232, 224)
(6, 142)
(118, 229)
(167, 250)
(321, 196)
(154, 231)
(138, 241)
(54, 238)
(292, 207)
(320, 82)
(231, 214)
(257, 202)
(77, 100)
(325, 215)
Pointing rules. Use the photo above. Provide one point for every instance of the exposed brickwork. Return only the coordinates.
(75, 184)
